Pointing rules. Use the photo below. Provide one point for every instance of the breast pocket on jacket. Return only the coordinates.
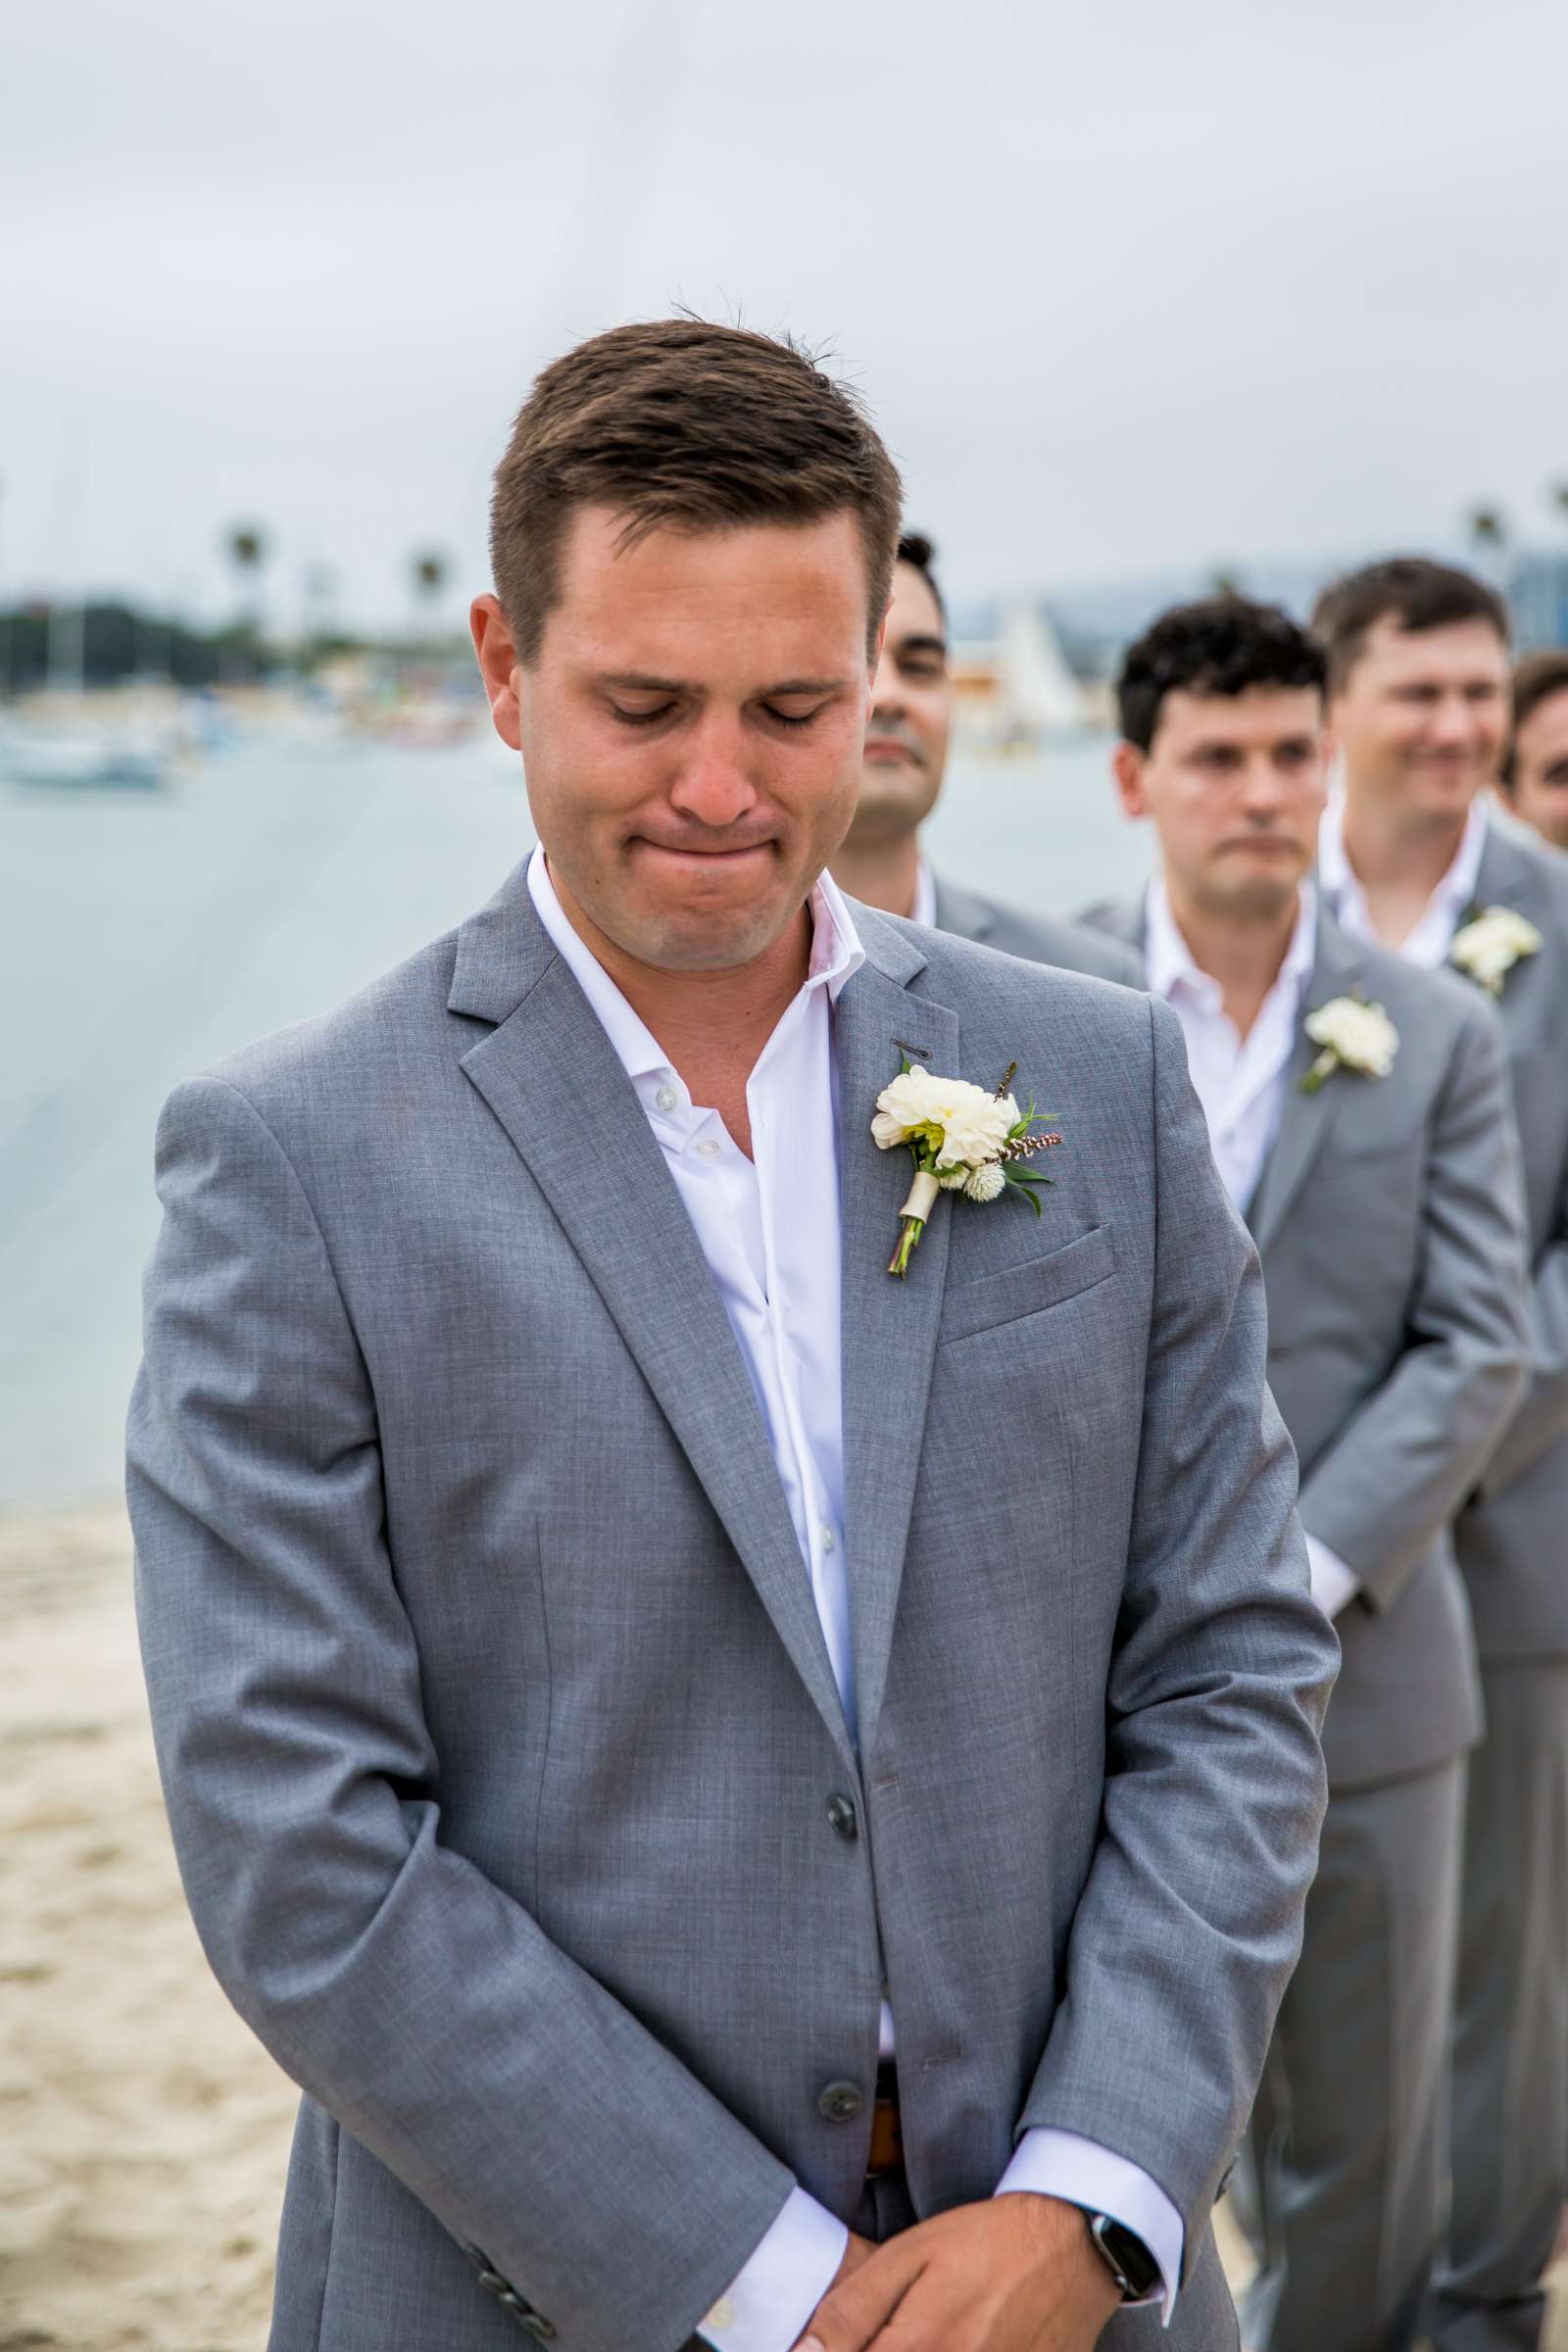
(994, 1300)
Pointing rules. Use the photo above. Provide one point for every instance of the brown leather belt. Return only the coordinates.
(887, 2130)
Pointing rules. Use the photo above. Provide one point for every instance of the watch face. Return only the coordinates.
(1128, 2256)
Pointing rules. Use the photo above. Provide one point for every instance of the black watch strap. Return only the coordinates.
(1125, 2256)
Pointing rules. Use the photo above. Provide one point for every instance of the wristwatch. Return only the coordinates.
(1126, 2257)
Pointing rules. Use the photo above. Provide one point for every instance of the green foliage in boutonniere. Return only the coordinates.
(962, 1140)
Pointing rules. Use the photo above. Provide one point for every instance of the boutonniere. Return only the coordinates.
(1355, 1036)
(1490, 943)
(962, 1140)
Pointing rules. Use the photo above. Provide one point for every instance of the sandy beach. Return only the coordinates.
(143, 2132)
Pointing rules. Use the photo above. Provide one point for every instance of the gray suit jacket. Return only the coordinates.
(1513, 1542)
(496, 1726)
(1389, 1222)
(1037, 937)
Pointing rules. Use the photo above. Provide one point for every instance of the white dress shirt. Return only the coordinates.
(924, 910)
(1240, 1082)
(1429, 943)
(769, 1229)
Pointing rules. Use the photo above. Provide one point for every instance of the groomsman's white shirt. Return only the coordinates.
(769, 1230)
(924, 910)
(1240, 1082)
(1429, 943)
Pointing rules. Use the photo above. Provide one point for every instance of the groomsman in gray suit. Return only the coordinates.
(763, 1802)
(1415, 855)
(1360, 1120)
(880, 860)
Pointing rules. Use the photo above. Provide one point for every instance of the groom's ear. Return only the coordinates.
(498, 665)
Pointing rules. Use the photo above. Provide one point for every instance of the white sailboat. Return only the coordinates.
(1042, 695)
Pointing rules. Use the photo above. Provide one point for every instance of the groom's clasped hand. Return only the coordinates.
(1014, 2274)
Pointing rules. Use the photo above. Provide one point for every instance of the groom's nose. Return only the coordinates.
(714, 784)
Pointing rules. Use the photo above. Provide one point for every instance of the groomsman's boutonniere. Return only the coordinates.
(1355, 1036)
(962, 1140)
(1487, 946)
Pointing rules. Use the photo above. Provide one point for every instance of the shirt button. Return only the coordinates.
(706, 1150)
(722, 2314)
(667, 1099)
(828, 1539)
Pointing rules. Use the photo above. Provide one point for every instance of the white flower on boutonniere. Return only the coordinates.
(962, 1140)
(1488, 947)
(1355, 1036)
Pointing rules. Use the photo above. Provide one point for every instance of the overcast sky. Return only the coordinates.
(1130, 286)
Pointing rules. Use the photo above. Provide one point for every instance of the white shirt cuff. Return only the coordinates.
(1062, 2163)
(1333, 1583)
(766, 2308)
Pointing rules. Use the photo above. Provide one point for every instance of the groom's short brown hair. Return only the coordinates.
(678, 423)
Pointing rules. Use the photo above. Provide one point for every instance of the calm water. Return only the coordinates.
(141, 937)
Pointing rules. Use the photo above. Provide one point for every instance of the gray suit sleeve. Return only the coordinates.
(409, 1995)
(1190, 1921)
(1542, 1416)
(1408, 1456)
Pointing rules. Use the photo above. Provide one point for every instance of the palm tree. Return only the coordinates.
(245, 545)
(1489, 538)
(429, 572)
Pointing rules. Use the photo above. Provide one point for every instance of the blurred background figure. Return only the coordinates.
(905, 759)
(1384, 1204)
(1418, 700)
(1534, 783)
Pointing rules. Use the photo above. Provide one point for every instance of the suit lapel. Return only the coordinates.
(890, 1327)
(1507, 878)
(1304, 1119)
(1502, 877)
(547, 1072)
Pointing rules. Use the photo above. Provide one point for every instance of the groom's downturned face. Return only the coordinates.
(691, 727)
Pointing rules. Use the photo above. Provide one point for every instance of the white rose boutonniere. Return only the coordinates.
(1487, 948)
(961, 1139)
(1355, 1036)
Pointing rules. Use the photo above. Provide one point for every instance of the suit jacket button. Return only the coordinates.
(841, 1816)
(539, 2327)
(841, 2102)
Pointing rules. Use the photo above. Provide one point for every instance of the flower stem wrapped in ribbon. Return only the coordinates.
(962, 1140)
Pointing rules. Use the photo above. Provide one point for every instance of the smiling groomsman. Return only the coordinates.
(1418, 686)
(880, 860)
(1359, 1117)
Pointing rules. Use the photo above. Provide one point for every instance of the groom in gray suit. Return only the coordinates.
(762, 1803)
(1414, 854)
(1360, 1118)
(880, 860)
